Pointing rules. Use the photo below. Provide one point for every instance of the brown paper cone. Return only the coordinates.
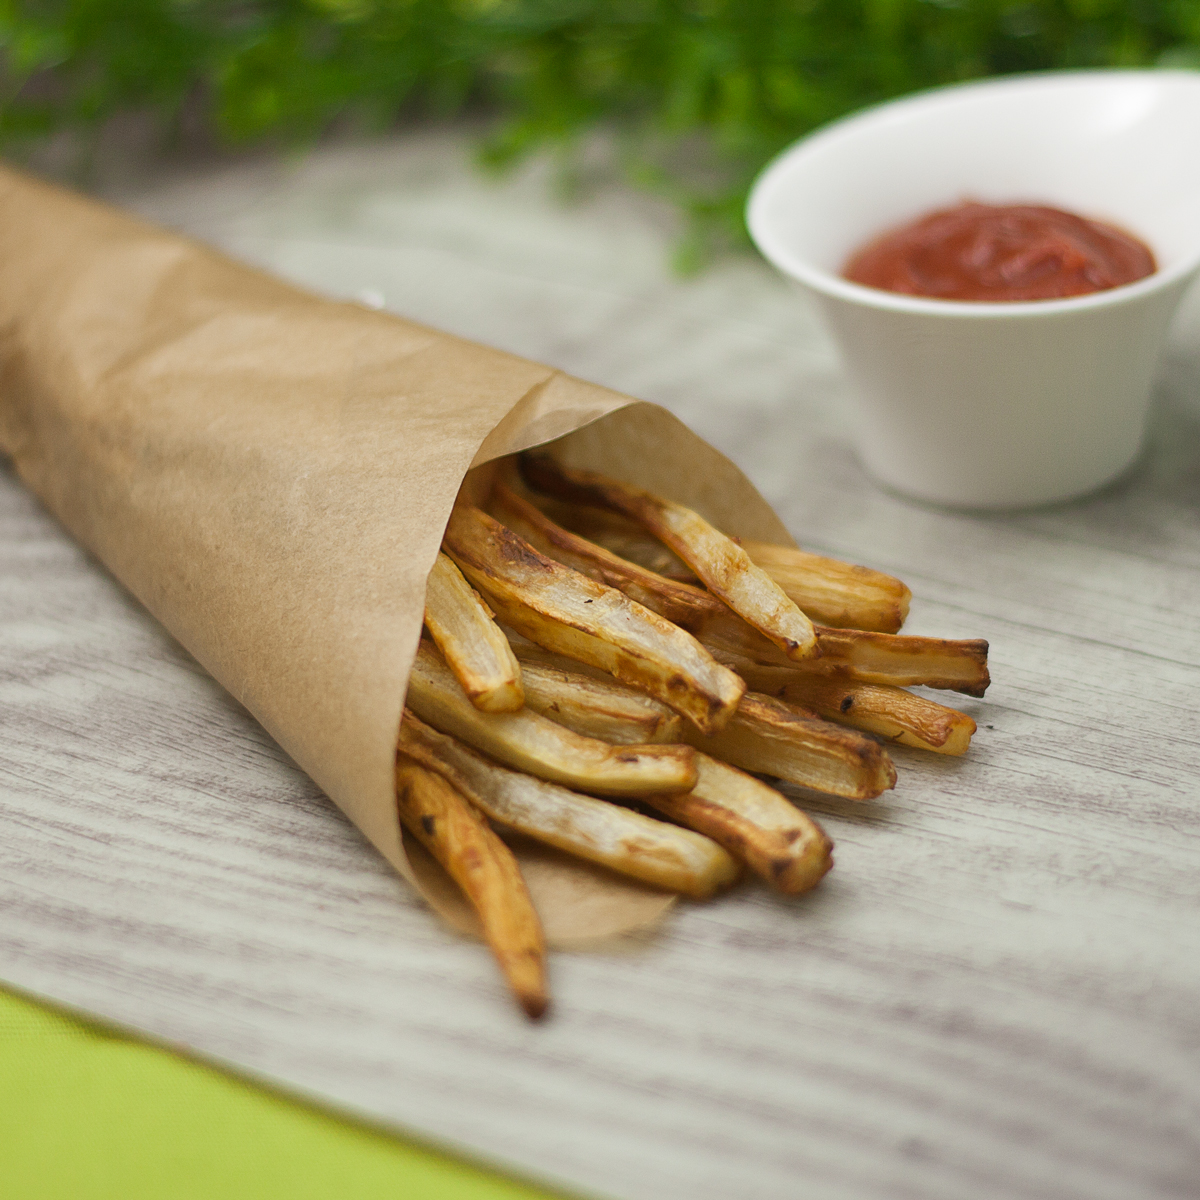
(270, 473)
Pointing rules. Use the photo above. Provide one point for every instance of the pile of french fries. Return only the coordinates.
(608, 673)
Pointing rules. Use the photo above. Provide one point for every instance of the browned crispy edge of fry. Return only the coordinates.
(544, 600)
(878, 708)
(458, 836)
(772, 737)
(464, 630)
(719, 561)
(832, 591)
(793, 856)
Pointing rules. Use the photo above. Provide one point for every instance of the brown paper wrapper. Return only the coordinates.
(270, 473)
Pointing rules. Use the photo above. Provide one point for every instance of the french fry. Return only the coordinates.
(903, 661)
(677, 860)
(461, 625)
(833, 592)
(535, 655)
(771, 737)
(619, 536)
(829, 591)
(877, 708)
(573, 615)
(718, 561)
(530, 742)
(599, 708)
(754, 823)
(484, 868)
(648, 715)
(689, 607)
(855, 654)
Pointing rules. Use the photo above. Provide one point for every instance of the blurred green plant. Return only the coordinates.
(701, 92)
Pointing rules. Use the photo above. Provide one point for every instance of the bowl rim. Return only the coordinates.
(820, 280)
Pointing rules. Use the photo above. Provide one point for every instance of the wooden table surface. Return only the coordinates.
(995, 994)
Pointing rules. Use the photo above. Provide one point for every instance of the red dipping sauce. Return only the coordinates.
(997, 252)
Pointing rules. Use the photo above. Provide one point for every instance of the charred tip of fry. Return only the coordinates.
(535, 1006)
(795, 876)
(977, 650)
(976, 693)
(889, 770)
(459, 838)
(804, 873)
(527, 979)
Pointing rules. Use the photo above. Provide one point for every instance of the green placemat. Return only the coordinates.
(86, 1114)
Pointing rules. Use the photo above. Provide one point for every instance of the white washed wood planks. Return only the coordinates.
(993, 995)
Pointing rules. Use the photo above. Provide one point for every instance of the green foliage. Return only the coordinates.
(702, 92)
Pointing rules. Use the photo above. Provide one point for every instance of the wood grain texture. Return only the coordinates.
(994, 994)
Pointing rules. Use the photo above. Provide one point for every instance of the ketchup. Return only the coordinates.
(1001, 252)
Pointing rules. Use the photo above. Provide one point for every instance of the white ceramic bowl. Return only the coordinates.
(997, 405)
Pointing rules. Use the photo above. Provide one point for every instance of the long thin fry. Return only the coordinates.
(677, 860)
(544, 748)
(690, 608)
(833, 592)
(575, 616)
(828, 590)
(718, 561)
(470, 641)
(755, 823)
(598, 708)
(954, 665)
(771, 737)
(617, 534)
(855, 654)
(530, 652)
(484, 867)
(877, 708)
